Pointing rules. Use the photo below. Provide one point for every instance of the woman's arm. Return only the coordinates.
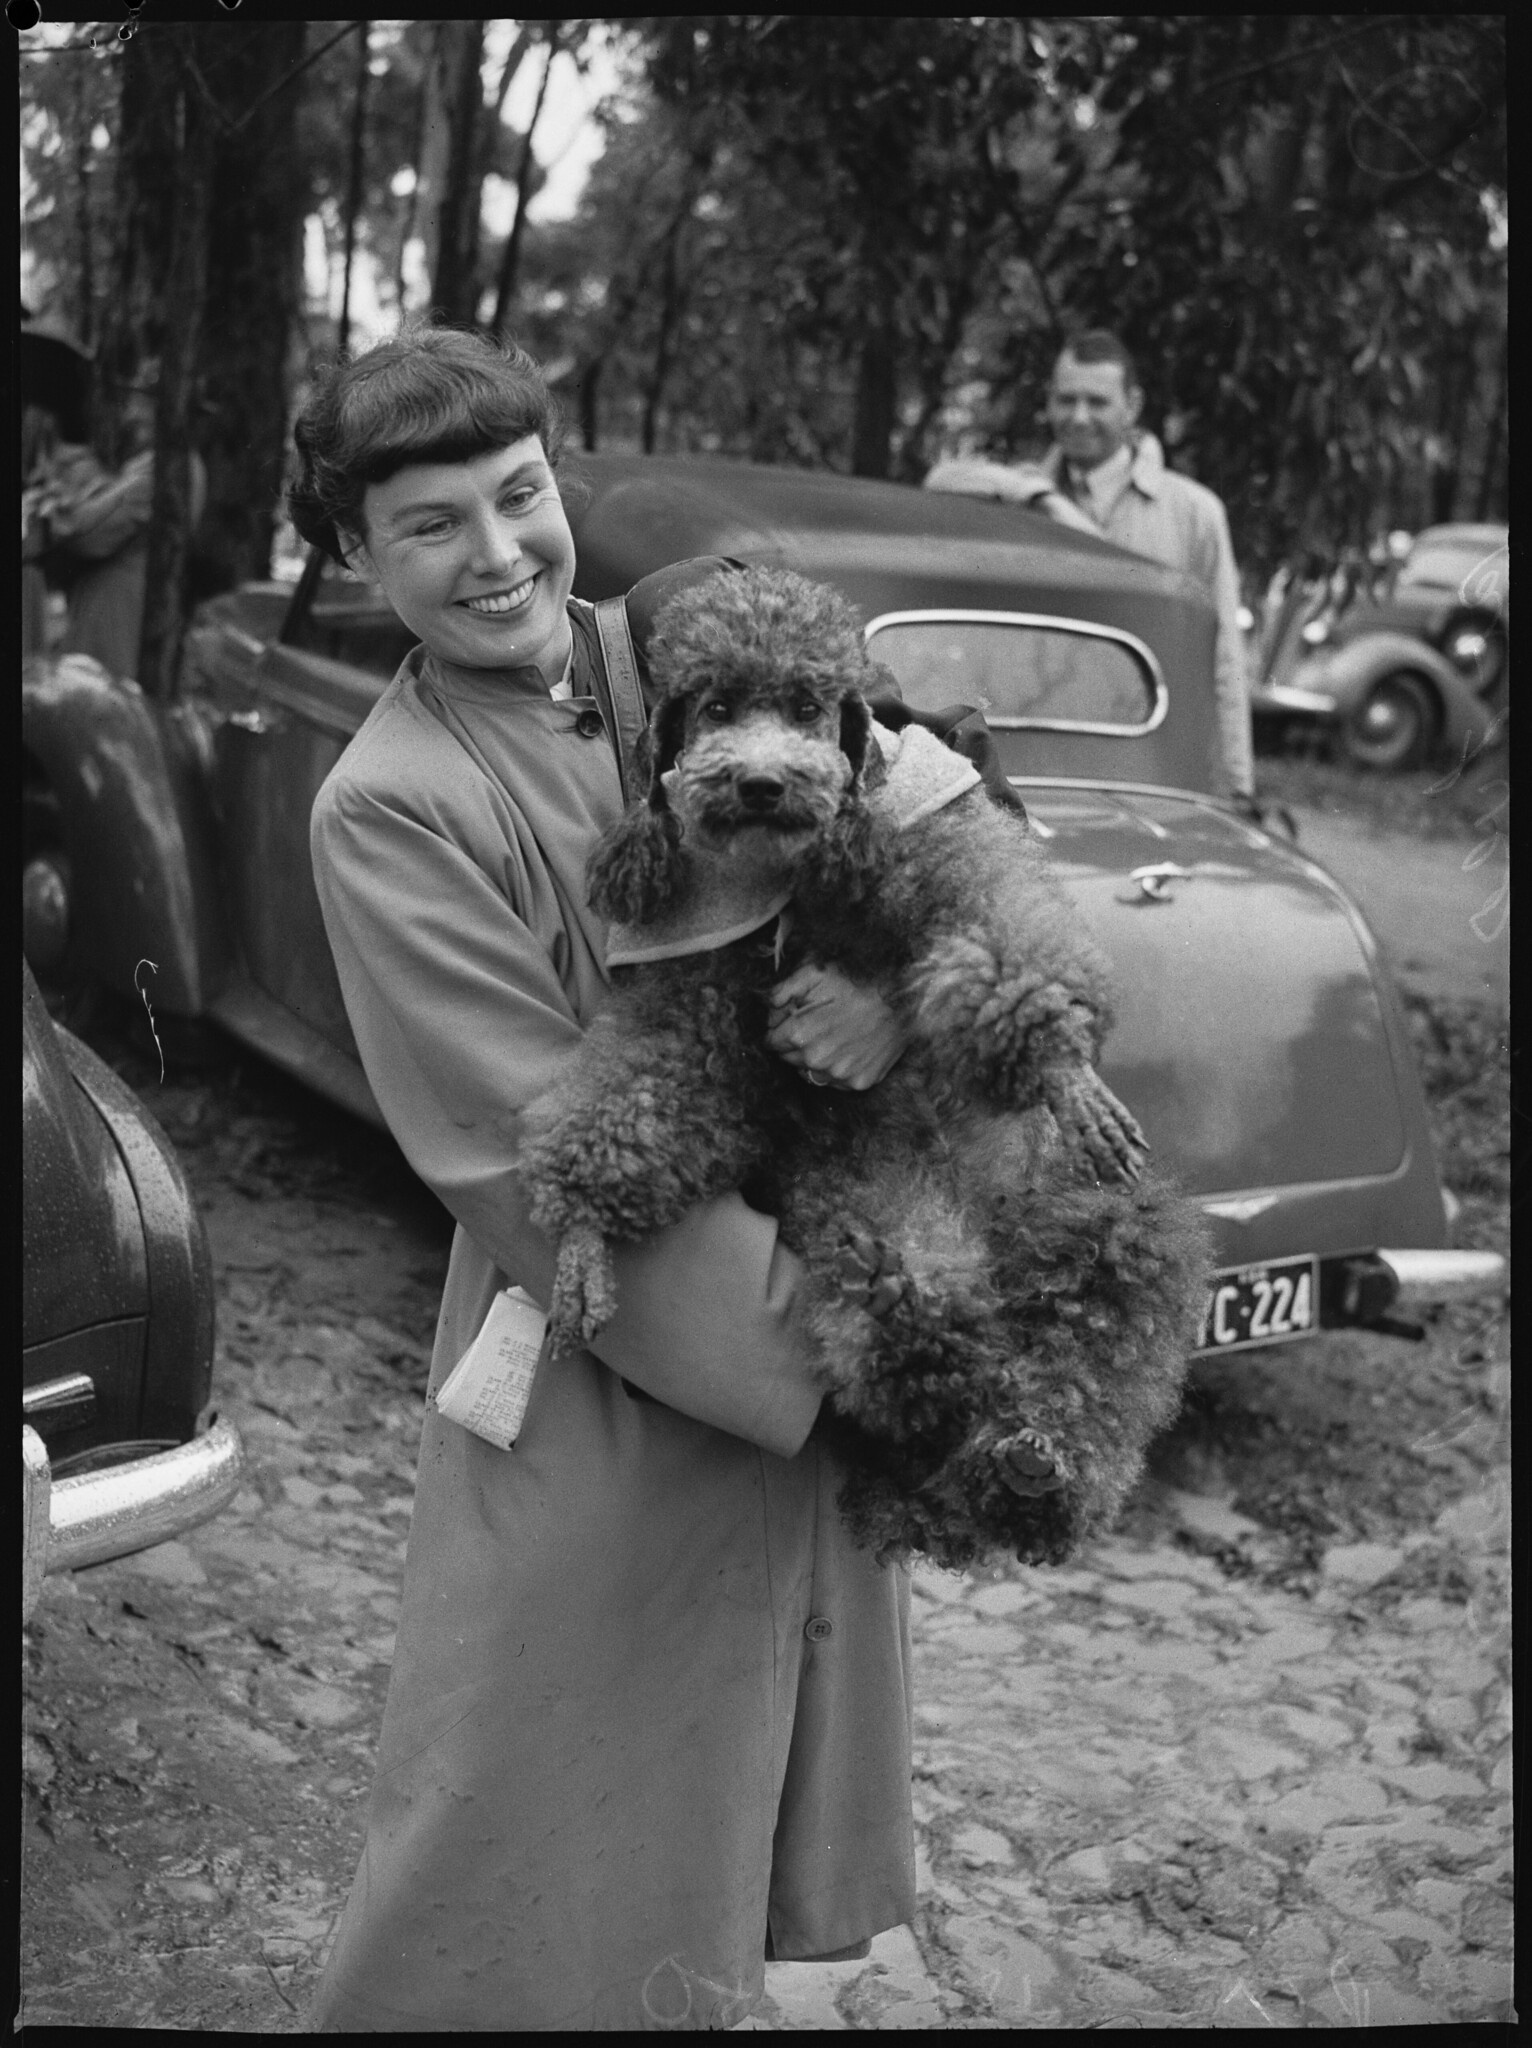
(461, 1022)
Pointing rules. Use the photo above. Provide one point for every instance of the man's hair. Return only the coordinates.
(1100, 345)
(432, 394)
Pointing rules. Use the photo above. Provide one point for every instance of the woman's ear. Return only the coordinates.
(354, 553)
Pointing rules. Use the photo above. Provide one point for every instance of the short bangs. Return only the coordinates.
(436, 394)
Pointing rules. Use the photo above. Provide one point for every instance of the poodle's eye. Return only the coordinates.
(806, 711)
(716, 711)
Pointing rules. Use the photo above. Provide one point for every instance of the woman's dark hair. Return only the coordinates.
(432, 394)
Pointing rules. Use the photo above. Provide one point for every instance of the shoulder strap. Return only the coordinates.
(624, 700)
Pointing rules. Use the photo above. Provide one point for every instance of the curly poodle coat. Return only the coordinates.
(1002, 1296)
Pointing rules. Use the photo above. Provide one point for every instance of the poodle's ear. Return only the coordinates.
(667, 729)
(842, 864)
(855, 732)
(636, 868)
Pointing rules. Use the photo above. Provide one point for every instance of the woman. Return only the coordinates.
(649, 1715)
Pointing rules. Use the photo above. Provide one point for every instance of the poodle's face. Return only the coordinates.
(748, 757)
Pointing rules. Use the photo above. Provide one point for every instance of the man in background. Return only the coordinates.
(1107, 476)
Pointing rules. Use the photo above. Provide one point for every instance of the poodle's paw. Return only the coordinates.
(1095, 1126)
(584, 1288)
(1030, 1464)
(871, 1273)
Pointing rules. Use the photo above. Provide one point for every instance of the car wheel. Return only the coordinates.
(1394, 725)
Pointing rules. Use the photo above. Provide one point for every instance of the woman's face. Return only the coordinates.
(475, 557)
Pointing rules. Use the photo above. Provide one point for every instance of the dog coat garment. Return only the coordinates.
(742, 889)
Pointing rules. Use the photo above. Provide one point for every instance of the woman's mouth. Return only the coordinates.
(501, 602)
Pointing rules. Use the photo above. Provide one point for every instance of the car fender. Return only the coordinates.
(131, 780)
(1346, 673)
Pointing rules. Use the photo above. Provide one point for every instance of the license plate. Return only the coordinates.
(1267, 1304)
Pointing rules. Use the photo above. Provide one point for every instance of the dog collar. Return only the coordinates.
(740, 889)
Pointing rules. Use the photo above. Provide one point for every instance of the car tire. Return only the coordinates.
(1394, 726)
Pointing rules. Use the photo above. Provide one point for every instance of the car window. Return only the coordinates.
(1022, 669)
(1478, 573)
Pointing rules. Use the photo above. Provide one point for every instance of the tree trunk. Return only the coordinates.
(510, 258)
(670, 313)
(454, 282)
(255, 272)
(185, 296)
(590, 385)
(354, 181)
(872, 426)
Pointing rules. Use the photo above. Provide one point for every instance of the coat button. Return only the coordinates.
(589, 725)
(818, 1630)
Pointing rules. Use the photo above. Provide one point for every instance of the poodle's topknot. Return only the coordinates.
(756, 626)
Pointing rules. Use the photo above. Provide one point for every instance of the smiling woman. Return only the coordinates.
(622, 1760)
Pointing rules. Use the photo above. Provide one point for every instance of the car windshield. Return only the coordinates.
(1022, 670)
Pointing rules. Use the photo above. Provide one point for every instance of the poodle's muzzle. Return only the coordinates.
(758, 772)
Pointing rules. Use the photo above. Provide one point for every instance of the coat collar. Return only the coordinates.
(1146, 475)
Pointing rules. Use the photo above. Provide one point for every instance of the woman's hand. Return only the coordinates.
(837, 1033)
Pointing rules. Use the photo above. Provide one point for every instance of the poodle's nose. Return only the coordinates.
(760, 792)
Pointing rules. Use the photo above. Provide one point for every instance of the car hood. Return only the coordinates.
(1252, 1041)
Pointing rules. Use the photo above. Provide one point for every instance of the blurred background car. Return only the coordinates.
(117, 1319)
(1392, 661)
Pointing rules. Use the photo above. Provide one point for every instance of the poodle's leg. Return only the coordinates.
(994, 1027)
(1103, 1291)
(645, 1123)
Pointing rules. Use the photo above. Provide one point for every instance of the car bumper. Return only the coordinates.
(94, 1516)
(1431, 1276)
(1287, 697)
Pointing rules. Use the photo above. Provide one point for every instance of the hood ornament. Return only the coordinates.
(1154, 881)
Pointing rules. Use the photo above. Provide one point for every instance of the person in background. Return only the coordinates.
(84, 525)
(1106, 475)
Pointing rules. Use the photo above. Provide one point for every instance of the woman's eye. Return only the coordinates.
(518, 500)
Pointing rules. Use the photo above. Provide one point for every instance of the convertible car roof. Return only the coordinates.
(888, 547)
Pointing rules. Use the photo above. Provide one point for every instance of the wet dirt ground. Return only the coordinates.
(1244, 1764)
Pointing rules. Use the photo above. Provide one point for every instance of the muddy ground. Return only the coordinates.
(1246, 1763)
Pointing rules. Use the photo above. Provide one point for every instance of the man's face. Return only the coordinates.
(475, 557)
(1091, 409)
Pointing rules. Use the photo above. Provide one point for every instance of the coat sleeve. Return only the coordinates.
(461, 1022)
(1231, 685)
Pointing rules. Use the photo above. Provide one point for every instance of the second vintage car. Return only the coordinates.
(1397, 669)
(1260, 1041)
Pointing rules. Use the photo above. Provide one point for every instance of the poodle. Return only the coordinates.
(1001, 1294)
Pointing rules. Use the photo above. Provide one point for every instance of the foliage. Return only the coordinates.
(1292, 218)
(857, 241)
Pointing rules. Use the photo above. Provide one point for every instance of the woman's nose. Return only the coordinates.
(495, 548)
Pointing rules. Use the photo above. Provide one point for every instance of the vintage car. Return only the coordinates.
(1397, 672)
(1260, 1040)
(116, 1315)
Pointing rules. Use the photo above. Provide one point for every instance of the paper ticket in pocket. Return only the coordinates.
(488, 1389)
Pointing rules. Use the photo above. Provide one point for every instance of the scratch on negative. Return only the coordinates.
(153, 967)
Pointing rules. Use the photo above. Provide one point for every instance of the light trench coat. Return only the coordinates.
(649, 1711)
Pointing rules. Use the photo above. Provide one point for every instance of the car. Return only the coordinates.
(1399, 669)
(117, 1319)
(1260, 1041)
